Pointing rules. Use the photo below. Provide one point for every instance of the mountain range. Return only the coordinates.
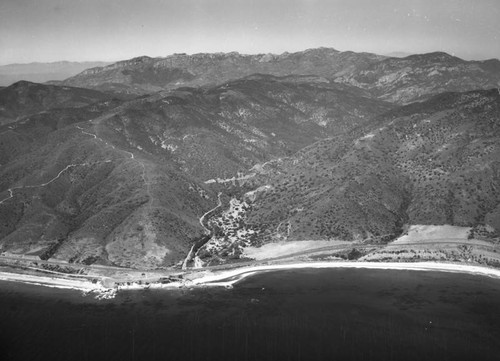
(135, 163)
(398, 80)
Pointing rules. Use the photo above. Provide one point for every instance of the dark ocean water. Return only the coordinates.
(309, 314)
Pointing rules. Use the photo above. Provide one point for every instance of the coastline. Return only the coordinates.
(227, 278)
(87, 287)
(230, 277)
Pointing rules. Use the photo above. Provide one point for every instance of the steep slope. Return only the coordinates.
(128, 183)
(435, 162)
(74, 196)
(24, 98)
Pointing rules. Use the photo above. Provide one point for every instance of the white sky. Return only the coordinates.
(109, 30)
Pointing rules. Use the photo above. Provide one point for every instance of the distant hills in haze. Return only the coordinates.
(43, 72)
(134, 163)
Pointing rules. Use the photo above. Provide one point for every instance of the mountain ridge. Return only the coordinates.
(385, 77)
(24, 98)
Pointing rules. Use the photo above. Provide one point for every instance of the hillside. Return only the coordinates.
(126, 182)
(219, 131)
(24, 98)
(435, 162)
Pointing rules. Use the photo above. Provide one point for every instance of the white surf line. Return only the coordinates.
(86, 286)
(230, 277)
(219, 203)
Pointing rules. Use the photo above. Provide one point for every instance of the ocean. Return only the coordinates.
(303, 314)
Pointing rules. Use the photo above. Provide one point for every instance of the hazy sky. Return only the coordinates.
(80, 30)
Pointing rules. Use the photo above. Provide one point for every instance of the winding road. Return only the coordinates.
(219, 203)
(11, 190)
(131, 156)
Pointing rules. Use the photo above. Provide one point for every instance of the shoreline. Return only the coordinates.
(230, 277)
(82, 285)
(227, 278)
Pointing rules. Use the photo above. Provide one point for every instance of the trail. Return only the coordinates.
(57, 176)
(11, 195)
(219, 203)
(130, 154)
(11, 190)
(256, 167)
(147, 183)
(96, 137)
(84, 132)
(233, 179)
